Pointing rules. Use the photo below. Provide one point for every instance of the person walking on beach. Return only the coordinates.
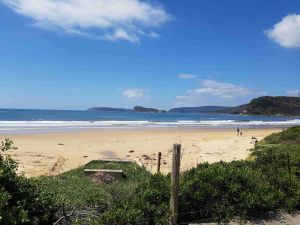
(238, 131)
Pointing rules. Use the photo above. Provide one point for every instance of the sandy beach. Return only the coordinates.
(54, 153)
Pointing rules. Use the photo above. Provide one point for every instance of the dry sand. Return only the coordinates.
(53, 153)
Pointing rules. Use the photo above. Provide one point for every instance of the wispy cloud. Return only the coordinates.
(134, 93)
(186, 76)
(287, 31)
(121, 34)
(294, 92)
(102, 19)
(215, 92)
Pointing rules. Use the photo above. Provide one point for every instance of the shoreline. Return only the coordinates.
(135, 129)
(62, 130)
(54, 153)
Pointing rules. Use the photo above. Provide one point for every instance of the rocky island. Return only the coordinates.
(135, 109)
(143, 109)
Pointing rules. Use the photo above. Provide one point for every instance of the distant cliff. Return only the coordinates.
(143, 109)
(108, 109)
(201, 109)
(267, 105)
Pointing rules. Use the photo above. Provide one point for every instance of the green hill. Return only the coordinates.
(267, 105)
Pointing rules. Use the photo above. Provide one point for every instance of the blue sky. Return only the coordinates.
(77, 54)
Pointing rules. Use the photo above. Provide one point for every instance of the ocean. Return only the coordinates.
(28, 121)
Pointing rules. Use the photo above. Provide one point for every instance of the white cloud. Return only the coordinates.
(103, 19)
(287, 31)
(121, 34)
(134, 93)
(220, 89)
(150, 34)
(295, 92)
(186, 76)
(215, 92)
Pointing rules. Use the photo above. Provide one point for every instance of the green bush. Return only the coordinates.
(223, 191)
(274, 156)
(243, 189)
(149, 205)
(21, 201)
(288, 136)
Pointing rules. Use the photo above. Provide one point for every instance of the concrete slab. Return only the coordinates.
(114, 173)
(115, 160)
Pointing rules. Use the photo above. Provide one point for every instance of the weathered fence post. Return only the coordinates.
(175, 184)
(158, 162)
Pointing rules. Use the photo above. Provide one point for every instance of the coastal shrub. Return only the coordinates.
(273, 150)
(223, 191)
(274, 162)
(149, 205)
(288, 136)
(245, 188)
(21, 201)
(153, 199)
(275, 156)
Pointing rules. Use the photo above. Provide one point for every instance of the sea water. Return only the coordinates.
(25, 120)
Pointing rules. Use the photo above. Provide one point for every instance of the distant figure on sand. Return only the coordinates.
(254, 140)
(238, 131)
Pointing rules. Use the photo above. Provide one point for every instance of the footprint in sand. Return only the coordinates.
(57, 166)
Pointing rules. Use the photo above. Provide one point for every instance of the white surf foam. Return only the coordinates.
(67, 125)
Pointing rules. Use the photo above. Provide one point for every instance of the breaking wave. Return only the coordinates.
(8, 126)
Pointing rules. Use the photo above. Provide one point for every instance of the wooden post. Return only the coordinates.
(175, 184)
(158, 162)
